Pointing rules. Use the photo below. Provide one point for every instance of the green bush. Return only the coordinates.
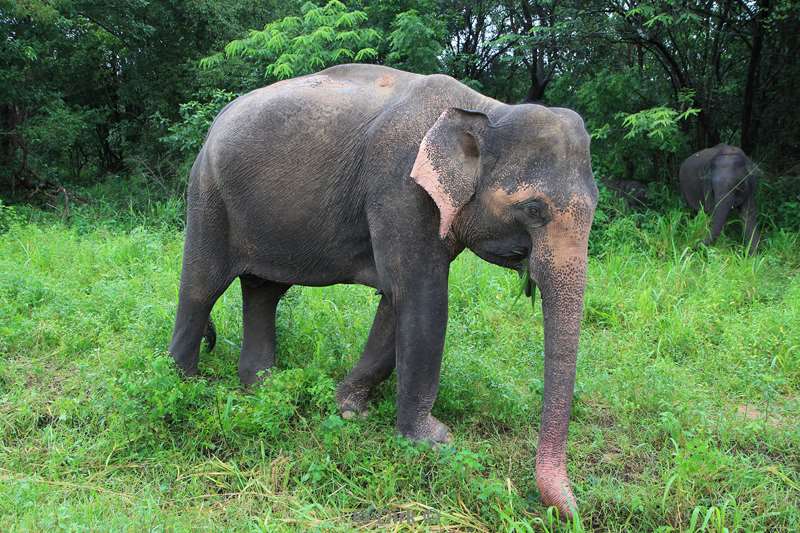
(8, 217)
(186, 137)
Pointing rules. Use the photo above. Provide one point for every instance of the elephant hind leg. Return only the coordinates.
(751, 233)
(259, 304)
(205, 275)
(718, 219)
(196, 298)
(376, 364)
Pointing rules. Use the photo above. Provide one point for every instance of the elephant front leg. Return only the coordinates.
(421, 321)
(719, 216)
(376, 364)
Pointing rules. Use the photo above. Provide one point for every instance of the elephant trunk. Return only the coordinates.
(562, 288)
(722, 208)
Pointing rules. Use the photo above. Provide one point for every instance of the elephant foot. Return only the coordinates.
(250, 377)
(555, 490)
(186, 368)
(430, 431)
(352, 401)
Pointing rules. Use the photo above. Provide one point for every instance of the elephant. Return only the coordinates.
(368, 175)
(718, 180)
(633, 192)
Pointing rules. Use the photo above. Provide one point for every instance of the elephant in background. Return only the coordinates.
(718, 180)
(633, 192)
(365, 174)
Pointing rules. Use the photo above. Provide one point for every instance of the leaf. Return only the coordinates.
(325, 33)
(347, 36)
(235, 48)
(211, 61)
(301, 41)
(346, 20)
(315, 62)
(366, 53)
(334, 6)
(29, 53)
(281, 70)
(277, 43)
(339, 52)
(291, 23)
(692, 111)
(314, 17)
(258, 36)
(661, 18)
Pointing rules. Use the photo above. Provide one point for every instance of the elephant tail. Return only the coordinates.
(210, 335)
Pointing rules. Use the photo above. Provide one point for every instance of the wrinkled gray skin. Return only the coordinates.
(718, 180)
(365, 174)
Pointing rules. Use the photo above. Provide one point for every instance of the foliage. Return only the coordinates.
(659, 125)
(294, 45)
(187, 135)
(606, 98)
(55, 139)
(415, 43)
(8, 217)
(82, 81)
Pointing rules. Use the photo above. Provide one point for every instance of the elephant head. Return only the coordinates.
(515, 185)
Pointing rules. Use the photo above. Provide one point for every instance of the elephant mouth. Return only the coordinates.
(516, 259)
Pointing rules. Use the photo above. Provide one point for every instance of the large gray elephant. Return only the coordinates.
(718, 180)
(366, 174)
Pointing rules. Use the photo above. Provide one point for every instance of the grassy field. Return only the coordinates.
(685, 414)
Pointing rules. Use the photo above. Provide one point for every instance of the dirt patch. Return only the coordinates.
(751, 413)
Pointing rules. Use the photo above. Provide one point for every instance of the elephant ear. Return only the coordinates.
(449, 161)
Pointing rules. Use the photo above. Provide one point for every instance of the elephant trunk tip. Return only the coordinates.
(555, 491)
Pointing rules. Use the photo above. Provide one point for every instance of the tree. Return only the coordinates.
(299, 44)
(415, 43)
(90, 88)
(82, 79)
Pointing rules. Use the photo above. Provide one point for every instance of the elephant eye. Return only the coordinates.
(535, 212)
(533, 209)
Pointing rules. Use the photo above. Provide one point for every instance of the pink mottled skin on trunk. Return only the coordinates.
(561, 272)
(554, 487)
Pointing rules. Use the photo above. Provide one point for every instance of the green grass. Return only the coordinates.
(685, 413)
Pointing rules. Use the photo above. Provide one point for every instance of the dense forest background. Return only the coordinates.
(124, 90)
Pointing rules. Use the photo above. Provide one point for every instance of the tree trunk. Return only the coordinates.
(749, 123)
